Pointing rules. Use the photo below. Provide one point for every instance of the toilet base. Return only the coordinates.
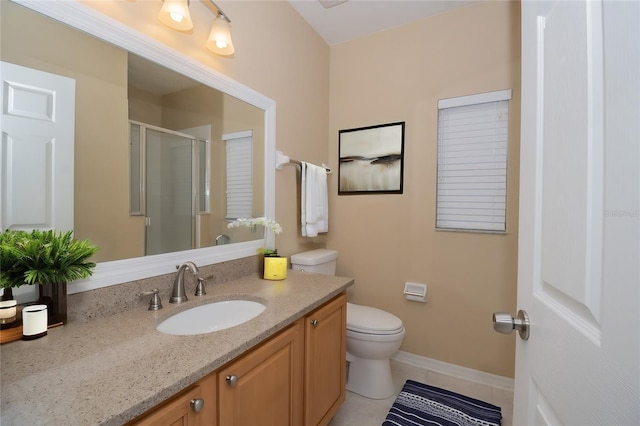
(370, 378)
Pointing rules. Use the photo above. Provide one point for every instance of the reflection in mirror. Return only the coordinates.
(167, 186)
(112, 162)
(169, 106)
(136, 197)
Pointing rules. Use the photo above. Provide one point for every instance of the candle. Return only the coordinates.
(8, 311)
(34, 322)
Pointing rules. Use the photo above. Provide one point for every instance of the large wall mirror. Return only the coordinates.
(152, 135)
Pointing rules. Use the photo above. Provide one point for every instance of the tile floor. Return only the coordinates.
(359, 411)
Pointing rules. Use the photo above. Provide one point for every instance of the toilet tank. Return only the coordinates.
(322, 261)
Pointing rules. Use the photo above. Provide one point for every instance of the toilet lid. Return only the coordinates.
(365, 319)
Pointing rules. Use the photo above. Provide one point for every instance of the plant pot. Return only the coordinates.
(8, 294)
(54, 295)
(275, 267)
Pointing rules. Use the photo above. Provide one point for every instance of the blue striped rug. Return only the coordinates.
(420, 404)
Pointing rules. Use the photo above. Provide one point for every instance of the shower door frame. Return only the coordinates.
(142, 168)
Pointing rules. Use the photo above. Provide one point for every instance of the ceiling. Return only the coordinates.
(346, 20)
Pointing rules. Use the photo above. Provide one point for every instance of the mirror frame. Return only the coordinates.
(90, 21)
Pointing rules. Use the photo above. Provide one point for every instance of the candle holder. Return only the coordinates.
(34, 322)
(8, 313)
(275, 268)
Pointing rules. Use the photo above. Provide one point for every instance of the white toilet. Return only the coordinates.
(373, 335)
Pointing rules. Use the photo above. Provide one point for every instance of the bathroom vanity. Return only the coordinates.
(287, 364)
(295, 377)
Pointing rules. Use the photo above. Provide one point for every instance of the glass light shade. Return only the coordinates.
(219, 40)
(175, 14)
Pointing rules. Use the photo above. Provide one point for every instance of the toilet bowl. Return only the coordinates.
(373, 335)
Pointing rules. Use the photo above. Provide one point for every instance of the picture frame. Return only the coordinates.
(371, 159)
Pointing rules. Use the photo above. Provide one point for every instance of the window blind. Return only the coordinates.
(472, 162)
(239, 177)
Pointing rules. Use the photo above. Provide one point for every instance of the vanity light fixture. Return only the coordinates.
(219, 40)
(175, 14)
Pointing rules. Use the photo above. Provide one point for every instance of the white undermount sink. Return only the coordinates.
(211, 317)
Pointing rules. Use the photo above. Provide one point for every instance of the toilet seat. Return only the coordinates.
(372, 338)
(372, 321)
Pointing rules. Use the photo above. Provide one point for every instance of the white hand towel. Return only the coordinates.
(314, 203)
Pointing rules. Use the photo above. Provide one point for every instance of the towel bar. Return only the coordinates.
(282, 160)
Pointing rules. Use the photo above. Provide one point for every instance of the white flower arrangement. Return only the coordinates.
(252, 222)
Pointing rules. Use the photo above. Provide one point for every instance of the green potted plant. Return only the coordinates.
(48, 259)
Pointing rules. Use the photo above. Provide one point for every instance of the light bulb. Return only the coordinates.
(175, 14)
(176, 17)
(219, 40)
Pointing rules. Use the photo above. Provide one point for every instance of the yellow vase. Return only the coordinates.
(275, 268)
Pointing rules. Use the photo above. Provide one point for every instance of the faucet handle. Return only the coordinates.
(155, 303)
(200, 291)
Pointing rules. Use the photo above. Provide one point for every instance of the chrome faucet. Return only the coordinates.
(179, 295)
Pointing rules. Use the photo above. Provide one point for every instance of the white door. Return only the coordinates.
(36, 156)
(579, 247)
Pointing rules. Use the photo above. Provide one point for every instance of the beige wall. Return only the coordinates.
(144, 107)
(386, 240)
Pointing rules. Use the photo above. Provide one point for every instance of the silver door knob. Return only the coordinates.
(505, 323)
(197, 404)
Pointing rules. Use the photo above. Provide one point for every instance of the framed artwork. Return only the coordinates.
(371, 159)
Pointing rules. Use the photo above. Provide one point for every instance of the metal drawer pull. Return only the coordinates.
(232, 380)
(314, 322)
(197, 404)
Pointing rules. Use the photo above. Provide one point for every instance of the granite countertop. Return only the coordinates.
(110, 370)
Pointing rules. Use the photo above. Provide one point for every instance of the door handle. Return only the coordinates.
(505, 323)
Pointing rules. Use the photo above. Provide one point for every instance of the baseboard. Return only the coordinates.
(458, 371)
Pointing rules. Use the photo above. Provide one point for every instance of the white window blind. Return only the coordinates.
(472, 162)
(239, 148)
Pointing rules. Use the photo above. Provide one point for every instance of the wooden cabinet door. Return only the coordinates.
(176, 412)
(325, 361)
(264, 387)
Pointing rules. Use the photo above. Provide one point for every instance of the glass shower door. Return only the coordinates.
(169, 194)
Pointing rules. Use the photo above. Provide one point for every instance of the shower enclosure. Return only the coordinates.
(169, 186)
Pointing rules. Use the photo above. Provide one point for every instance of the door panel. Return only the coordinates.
(36, 156)
(571, 210)
(169, 193)
(269, 380)
(579, 235)
(325, 361)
